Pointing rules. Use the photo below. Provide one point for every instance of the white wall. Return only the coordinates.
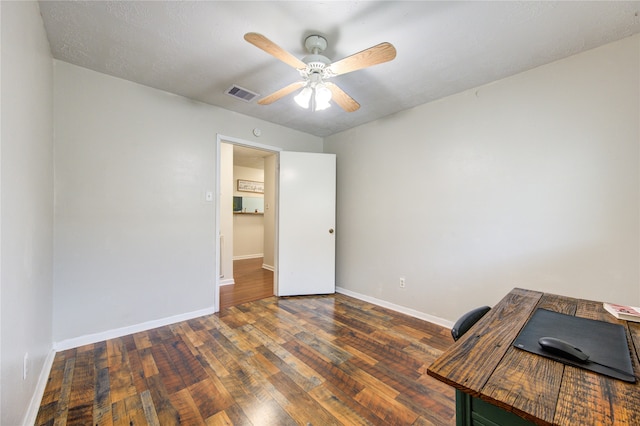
(531, 181)
(134, 236)
(248, 236)
(27, 206)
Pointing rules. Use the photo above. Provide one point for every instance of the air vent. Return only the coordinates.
(241, 93)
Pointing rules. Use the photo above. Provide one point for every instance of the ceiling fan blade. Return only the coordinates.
(345, 101)
(281, 93)
(273, 49)
(377, 54)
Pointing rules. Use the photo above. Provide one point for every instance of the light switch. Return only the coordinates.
(209, 196)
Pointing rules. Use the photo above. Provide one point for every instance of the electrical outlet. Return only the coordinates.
(402, 282)
(25, 366)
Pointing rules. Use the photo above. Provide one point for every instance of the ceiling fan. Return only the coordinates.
(315, 69)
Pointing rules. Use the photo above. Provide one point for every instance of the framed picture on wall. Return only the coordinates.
(250, 186)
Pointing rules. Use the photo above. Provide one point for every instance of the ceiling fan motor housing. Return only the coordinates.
(314, 42)
(316, 63)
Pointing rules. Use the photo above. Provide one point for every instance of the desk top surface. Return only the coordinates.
(484, 364)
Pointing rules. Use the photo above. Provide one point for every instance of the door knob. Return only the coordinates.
(331, 230)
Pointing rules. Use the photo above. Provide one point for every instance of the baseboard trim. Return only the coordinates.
(248, 256)
(268, 267)
(119, 332)
(402, 309)
(38, 393)
(230, 281)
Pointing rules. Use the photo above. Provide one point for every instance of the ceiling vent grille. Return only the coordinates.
(241, 93)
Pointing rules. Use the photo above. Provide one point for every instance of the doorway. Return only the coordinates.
(246, 220)
(303, 214)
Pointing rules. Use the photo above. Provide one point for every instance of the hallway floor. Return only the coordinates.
(252, 282)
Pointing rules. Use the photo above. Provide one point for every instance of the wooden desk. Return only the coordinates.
(488, 372)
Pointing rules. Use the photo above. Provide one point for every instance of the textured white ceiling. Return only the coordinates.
(196, 49)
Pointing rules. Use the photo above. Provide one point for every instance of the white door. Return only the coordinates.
(306, 224)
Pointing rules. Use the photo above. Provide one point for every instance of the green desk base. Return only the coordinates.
(472, 411)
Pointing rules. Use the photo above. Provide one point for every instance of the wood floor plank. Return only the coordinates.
(220, 419)
(235, 317)
(187, 408)
(356, 353)
(331, 373)
(46, 414)
(420, 398)
(296, 370)
(149, 367)
(102, 414)
(216, 381)
(239, 340)
(384, 353)
(142, 340)
(270, 329)
(245, 379)
(300, 406)
(62, 408)
(425, 353)
(333, 404)
(258, 411)
(165, 411)
(369, 380)
(137, 370)
(100, 356)
(284, 321)
(390, 412)
(254, 337)
(185, 364)
(119, 411)
(52, 390)
(120, 378)
(172, 380)
(211, 363)
(333, 353)
(129, 343)
(265, 365)
(209, 398)
(135, 410)
(190, 334)
(150, 413)
(259, 363)
(128, 412)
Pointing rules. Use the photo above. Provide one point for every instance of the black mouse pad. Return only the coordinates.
(606, 343)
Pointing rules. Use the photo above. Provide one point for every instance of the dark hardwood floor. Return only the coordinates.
(252, 282)
(314, 360)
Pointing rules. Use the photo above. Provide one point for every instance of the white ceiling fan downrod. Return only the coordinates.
(315, 93)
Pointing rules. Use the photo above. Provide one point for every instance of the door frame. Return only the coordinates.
(249, 144)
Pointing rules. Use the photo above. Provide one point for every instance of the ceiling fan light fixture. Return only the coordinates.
(304, 97)
(314, 95)
(322, 97)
